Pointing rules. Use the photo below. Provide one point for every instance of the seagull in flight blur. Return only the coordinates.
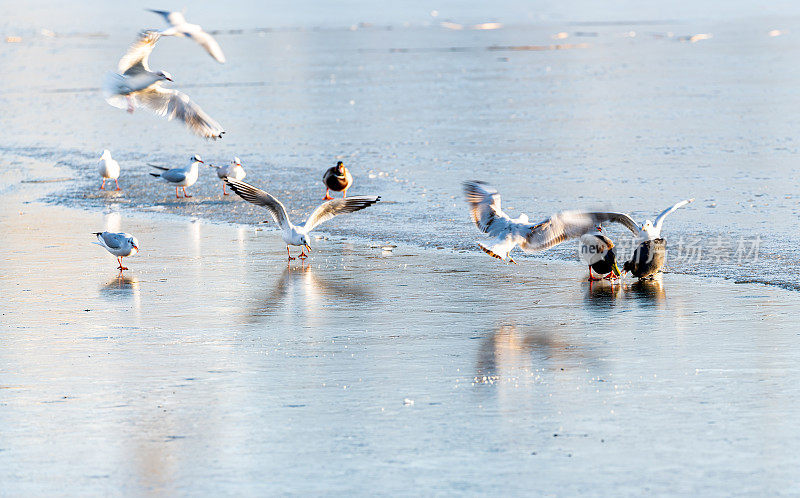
(297, 235)
(508, 233)
(180, 28)
(137, 85)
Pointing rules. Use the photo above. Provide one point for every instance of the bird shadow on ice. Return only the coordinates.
(121, 287)
(300, 290)
(604, 295)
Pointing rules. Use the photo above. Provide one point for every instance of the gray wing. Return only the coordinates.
(260, 198)
(621, 218)
(561, 227)
(174, 175)
(328, 210)
(660, 218)
(112, 240)
(135, 59)
(484, 202)
(209, 43)
(174, 104)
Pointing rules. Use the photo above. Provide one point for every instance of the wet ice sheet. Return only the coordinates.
(213, 367)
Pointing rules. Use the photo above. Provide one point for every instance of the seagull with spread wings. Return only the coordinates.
(508, 233)
(297, 235)
(137, 85)
(180, 28)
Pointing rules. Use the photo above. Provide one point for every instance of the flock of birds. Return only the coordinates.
(137, 85)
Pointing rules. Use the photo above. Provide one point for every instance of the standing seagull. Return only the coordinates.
(233, 170)
(650, 255)
(509, 233)
(296, 235)
(180, 28)
(138, 85)
(118, 244)
(109, 169)
(336, 178)
(181, 177)
(598, 252)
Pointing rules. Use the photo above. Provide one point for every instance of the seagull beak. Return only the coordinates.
(200, 161)
(615, 269)
(308, 247)
(168, 78)
(136, 247)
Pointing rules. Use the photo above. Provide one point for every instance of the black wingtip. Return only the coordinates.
(156, 175)
(96, 233)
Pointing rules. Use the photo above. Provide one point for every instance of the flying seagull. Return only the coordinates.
(118, 244)
(137, 85)
(508, 233)
(183, 177)
(109, 169)
(296, 235)
(180, 28)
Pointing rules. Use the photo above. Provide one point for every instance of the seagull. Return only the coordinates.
(650, 255)
(180, 28)
(296, 235)
(598, 252)
(138, 85)
(109, 169)
(118, 244)
(181, 177)
(336, 178)
(234, 170)
(508, 233)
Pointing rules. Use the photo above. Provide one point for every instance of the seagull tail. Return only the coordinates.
(162, 168)
(111, 88)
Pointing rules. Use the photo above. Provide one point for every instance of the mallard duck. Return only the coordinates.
(598, 252)
(338, 179)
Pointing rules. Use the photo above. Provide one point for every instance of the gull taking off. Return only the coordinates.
(651, 253)
(233, 170)
(138, 85)
(508, 233)
(109, 169)
(338, 179)
(118, 244)
(297, 235)
(181, 177)
(180, 28)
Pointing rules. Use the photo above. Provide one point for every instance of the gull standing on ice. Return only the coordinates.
(109, 169)
(182, 29)
(233, 170)
(183, 177)
(650, 255)
(296, 235)
(118, 244)
(138, 85)
(509, 233)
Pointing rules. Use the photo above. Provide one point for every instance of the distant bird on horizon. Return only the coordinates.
(598, 252)
(508, 233)
(108, 169)
(233, 170)
(651, 253)
(184, 176)
(119, 244)
(139, 86)
(182, 29)
(297, 235)
(338, 179)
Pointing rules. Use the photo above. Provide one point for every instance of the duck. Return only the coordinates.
(109, 169)
(119, 244)
(651, 250)
(597, 250)
(233, 170)
(338, 179)
(181, 177)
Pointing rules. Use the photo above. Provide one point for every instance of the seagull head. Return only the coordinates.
(134, 243)
(304, 243)
(106, 154)
(165, 76)
(236, 161)
(196, 159)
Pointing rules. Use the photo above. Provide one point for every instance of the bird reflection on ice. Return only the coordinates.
(605, 295)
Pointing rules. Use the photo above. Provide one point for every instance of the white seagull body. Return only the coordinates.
(510, 232)
(118, 244)
(180, 28)
(296, 235)
(183, 177)
(137, 85)
(234, 170)
(108, 169)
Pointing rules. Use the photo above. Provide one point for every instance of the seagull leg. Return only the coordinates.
(290, 254)
(184, 192)
(103, 186)
(176, 193)
(224, 192)
(303, 254)
(120, 267)
(512, 259)
(117, 183)
(130, 104)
